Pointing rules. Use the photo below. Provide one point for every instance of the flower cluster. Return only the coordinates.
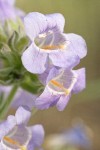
(60, 52)
(37, 61)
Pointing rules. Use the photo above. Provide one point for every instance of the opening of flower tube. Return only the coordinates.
(51, 40)
(63, 83)
(17, 139)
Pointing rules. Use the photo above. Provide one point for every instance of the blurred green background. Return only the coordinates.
(83, 18)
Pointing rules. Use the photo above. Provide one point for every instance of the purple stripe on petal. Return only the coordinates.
(57, 20)
(77, 43)
(34, 60)
(35, 23)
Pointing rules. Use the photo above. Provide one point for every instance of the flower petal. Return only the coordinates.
(10, 2)
(22, 115)
(64, 58)
(61, 104)
(53, 73)
(20, 13)
(77, 43)
(35, 23)
(45, 100)
(80, 84)
(37, 136)
(56, 20)
(1, 146)
(23, 98)
(34, 60)
(7, 126)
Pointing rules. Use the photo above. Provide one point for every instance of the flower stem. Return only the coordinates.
(8, 101)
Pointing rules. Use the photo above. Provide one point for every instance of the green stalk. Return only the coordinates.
(8, 101)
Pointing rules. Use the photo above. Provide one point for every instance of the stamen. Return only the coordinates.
(11, 141)
(52, 47)
(57, 84)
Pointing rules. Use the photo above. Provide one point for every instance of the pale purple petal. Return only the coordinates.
(34, 60)
(81, 81)
(7, 126)
(44, 75)
(6, 12)
(49, 73)
(35, 23)
(46, 99)
(22, 115)
(20, 13)
(70, 77)
(23, 98)
(1, 146)
(37, 136)
(56, 20)
(64, 58)
(61, 104)
(52, 74)
(10, 2)
(77, 44)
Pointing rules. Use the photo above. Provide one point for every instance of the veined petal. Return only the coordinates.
(37, 136)
(61, 104)
(35, 23)
(22, 115)
(77, 44)
(7, 126)
(56, 20)
(52, 74)
(81, 81)
(34, 60)
(45, 100)
(64, 58)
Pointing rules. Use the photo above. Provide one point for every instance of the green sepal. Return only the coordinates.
(18, 43)
(22, 43)
(32, 84)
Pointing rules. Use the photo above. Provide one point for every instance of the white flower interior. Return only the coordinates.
(17, 139)
(63, 83)
(51, 40)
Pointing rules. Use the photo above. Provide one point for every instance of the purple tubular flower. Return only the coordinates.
(60, 85)
(14, 134)
(8, 11)
(50, 44)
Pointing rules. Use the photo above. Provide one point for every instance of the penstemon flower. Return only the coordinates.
(49, 44)
(14, 134)
(8, 11)
(60, 85)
